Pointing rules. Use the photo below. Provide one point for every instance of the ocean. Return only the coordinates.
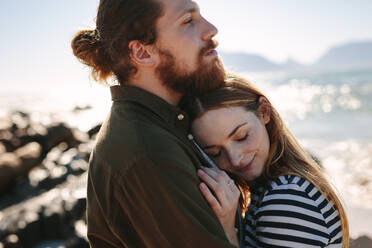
(330, 113)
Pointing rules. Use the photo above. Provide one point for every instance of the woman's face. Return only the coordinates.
(236, 139)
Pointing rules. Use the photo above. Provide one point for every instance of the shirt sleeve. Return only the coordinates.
(297, 216)
(159, 198)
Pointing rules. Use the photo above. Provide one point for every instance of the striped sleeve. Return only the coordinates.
(293, 213)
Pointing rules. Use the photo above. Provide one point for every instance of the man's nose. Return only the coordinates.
(209, 30)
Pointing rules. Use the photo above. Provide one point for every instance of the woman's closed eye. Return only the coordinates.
(214, 154)
(243, 138)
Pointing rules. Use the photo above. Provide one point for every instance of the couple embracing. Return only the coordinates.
(189, 155)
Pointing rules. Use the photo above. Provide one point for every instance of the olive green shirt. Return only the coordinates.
(142, 184)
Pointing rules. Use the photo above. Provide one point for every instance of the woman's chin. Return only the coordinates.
(253, 178)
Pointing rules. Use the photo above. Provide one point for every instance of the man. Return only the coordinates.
(142, 185)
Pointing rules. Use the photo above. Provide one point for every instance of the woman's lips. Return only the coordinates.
(248, 166)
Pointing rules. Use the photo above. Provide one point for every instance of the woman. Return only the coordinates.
(292, 203)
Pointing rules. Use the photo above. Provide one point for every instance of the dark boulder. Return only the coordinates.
(19, 163)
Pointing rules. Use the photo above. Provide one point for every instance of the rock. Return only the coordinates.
(67, 156)
(77, 242)
(51, 244)
(5, 124)
(30, 228)
(52, 218)
(10, 143)
(54, 215)
(56, 135)
(20, 119)
(29, 153)
(361, 242)
(81, 108)
(48, 139)
(19, 135)
(80, 135)
(94, 130)
(58, 166)
(37, 175)
(19, 163)
(12, 241)
(8, 164)
(2, 148)
(42, 203)
(85, 149)
(78, 166)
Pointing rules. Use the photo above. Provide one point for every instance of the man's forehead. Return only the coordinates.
(176, 8)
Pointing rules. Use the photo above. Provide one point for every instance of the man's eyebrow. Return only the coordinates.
(231, 134)
(189, 10)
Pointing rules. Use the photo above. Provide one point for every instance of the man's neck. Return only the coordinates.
(156, 87)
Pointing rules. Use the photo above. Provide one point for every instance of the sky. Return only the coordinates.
(35, 35)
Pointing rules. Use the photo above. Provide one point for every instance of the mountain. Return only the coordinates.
(292, 64)
(354, 55)
(247, 62)
(244, 62)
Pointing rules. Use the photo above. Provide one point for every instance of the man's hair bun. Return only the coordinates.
(87, 46)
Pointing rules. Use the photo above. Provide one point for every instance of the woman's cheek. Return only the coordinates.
(222, 163)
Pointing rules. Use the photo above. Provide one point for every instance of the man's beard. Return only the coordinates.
(205, 78)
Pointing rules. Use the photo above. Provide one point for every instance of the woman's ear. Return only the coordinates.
(264, 110)
(141, 54)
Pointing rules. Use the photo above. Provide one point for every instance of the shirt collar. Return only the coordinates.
(169, 113)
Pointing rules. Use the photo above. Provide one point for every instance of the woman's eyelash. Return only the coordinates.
(244, 138)
(216, 155)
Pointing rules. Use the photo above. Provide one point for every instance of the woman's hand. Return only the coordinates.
(224, 199)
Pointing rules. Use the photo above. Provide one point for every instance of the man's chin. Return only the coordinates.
(208, 75)
(211, 63)
(210, 59)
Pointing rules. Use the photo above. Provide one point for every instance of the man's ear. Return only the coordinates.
(264, 110)
(141, 54)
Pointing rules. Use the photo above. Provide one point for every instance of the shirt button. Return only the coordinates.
(180, 117)
(190, 137)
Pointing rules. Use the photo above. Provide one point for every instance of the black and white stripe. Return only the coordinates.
(291, 212)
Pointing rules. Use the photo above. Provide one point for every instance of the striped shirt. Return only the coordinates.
(291, 212)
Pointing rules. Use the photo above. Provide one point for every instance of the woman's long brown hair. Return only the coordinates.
(286, 156)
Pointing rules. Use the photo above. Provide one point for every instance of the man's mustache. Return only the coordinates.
(211, 44)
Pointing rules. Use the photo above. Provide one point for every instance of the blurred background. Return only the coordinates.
(312, 58)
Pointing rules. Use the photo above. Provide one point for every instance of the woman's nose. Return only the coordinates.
(235, 157)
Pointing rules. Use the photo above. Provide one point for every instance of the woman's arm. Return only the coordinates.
(222, 195)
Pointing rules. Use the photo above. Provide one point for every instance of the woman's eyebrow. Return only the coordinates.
(236, 129)
(207, 147)
(231, 134)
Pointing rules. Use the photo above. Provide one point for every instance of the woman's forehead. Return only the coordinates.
(218, 124)
(225, 115)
